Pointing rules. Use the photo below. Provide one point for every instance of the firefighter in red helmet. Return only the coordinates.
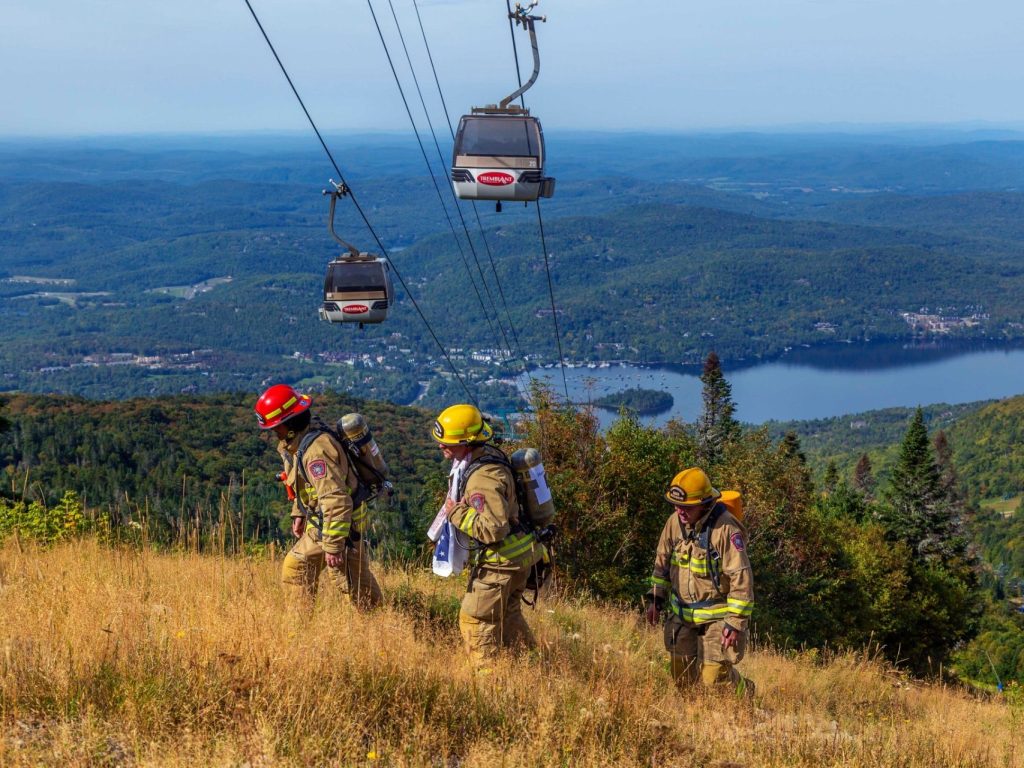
(328, 527)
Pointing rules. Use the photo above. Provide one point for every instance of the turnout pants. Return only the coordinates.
(697, 655)
(302, 566)
(491, 616)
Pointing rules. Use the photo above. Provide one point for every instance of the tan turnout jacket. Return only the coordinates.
(328, 493)
(682, 572)
(489, 513)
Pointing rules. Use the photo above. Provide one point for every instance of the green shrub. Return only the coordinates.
(41, 523)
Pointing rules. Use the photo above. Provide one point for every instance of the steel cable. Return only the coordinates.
(540, 219)
(437, 146)
(476, 211)
(359, 208)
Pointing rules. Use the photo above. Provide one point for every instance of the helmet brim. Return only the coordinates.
(676, 502)
(485, 434)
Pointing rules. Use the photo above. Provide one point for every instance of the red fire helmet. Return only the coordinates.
(278, 403)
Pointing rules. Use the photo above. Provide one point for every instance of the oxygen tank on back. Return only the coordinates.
(358, 433)
(530, 471)
(733, 501)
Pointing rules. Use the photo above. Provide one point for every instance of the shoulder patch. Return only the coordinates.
(476, 501)
(737, 542)
(318, 469)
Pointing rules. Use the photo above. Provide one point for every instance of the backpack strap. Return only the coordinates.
(362, 493)
(307, 440)
(497, 457)
(704, 541)
(313, 516)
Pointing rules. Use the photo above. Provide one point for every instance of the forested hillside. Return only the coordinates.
(181, 465)
(745, 245)
(842, 440)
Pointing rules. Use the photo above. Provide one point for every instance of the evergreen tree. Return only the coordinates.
(793, 455)
(791, 448)
(943, 600)
(863, 476)
(925, 504)
(915, 507)
(716, 427)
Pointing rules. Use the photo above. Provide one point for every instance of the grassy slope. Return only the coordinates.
(131, 657)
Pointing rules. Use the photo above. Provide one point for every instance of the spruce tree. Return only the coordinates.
(918, 508)
(790, 447)
(942, 581)
(914, 487)
(792, 454)
(863, 476)
(717, 426)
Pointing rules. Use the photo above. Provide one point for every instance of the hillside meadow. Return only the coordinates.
(125, 656)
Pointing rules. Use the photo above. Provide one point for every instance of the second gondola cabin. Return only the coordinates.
(357, 289)
(499, 155)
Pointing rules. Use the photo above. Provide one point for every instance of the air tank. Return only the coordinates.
(733, 501)
(530, 469)
(355, 428)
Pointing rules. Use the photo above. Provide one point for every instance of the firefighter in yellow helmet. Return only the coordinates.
(702, 575)
(329, 528)
(483, 506)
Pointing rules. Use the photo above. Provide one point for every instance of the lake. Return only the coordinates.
(818, 383)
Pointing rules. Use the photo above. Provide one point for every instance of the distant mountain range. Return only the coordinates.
(661, 248)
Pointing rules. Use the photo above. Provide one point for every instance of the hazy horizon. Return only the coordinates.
(127, 68)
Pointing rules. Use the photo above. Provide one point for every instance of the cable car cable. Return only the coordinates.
(437, 146)
(359, 208)
(458, 208)
(430, 170)
(540, 219)
(476, 211)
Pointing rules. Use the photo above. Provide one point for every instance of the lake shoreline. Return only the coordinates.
(812, 355)
(810, 384)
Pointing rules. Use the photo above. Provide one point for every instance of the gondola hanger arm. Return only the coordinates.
(522, 17)
(338, 190)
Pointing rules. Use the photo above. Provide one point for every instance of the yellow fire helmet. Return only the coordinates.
(461, 424)
(690, 488)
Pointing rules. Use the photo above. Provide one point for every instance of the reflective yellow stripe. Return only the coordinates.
(337, 528)
(282, 409)
(741, 607)
(698, 566)
(360, 514)
(698, 615)
(513, 547)
(660, 582)
(466, 526)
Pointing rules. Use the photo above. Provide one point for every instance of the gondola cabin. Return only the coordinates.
(357, 289)
(499, 155)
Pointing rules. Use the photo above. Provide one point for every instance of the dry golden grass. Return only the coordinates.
(127, 657)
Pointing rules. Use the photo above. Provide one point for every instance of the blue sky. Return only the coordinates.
(125, 66)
